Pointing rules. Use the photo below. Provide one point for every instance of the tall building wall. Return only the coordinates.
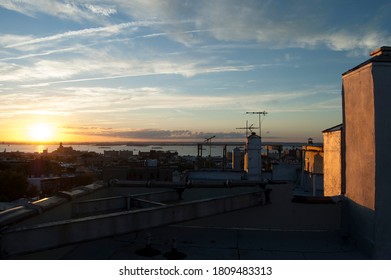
(367, 135)
(359, 113)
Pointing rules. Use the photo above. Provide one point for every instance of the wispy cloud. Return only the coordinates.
(101, 10)
(102, 31)
(40, 54)
(9, 39)
(104, 68)
(123, 101)
(305, 26)
(70, 10)
(153, 35)
(41, 70)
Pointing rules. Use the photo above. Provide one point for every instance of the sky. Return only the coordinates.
(178, 70)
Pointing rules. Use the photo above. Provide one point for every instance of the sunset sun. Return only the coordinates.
(41, 132)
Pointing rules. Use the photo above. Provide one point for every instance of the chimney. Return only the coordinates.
(382, 51)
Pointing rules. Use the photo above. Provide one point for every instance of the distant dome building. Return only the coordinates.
(62, 151)
(252, 157)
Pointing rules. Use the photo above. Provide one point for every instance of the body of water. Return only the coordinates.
(182, 149)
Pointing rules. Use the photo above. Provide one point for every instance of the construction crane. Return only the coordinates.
(210, 144)
(259, 119)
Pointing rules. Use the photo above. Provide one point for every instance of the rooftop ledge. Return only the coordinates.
(385, 50)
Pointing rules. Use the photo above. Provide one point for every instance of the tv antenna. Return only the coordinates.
(247, 128)
(259, 120)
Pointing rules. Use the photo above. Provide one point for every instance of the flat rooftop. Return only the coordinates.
(281, 229)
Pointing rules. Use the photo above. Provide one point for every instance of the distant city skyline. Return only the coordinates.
(83, 71)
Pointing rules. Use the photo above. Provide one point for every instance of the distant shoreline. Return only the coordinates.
(156, 143)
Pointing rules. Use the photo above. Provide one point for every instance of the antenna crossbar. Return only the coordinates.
(259, 119)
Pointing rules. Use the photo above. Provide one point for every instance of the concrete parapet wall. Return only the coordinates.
(158, 196)
(15, 214)
(198, 183)
(50, 202)
(217, 175)
(26, 211)
(95, 206)
(88, 207)
(51, 235)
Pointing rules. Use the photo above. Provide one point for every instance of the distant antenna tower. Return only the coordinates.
(259, 119)
(210, 144)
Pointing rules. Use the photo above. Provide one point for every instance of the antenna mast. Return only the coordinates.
(259, 120)
(210, 144)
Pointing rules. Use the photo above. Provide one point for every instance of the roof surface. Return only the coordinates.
(278, 230)
(334, 128)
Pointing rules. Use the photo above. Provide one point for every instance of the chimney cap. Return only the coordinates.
(385, 50)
